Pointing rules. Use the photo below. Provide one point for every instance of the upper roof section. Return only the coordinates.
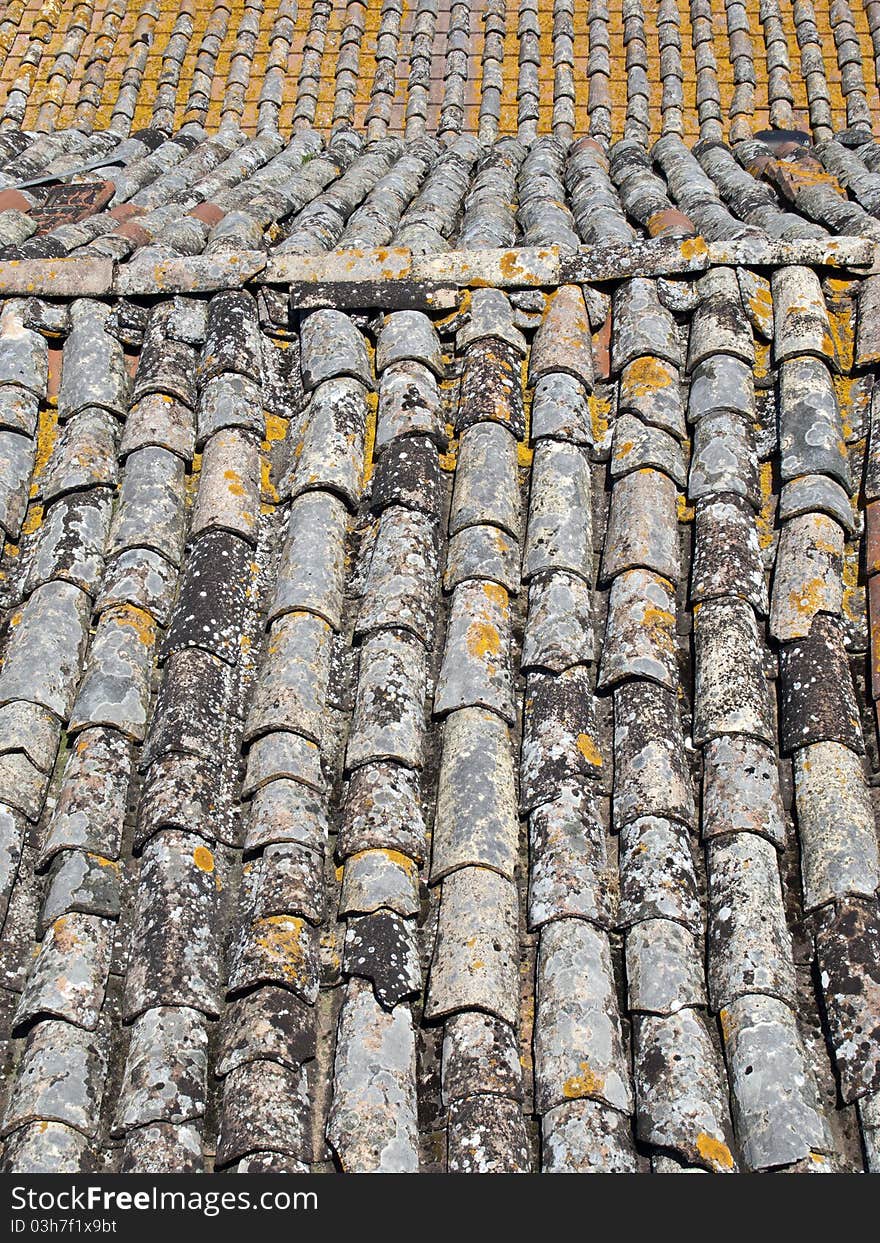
(609, 68)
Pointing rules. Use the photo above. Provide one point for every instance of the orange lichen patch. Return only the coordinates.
(854, 603)
(276, 428)
(645, 376)
(524, 452)
(267, 488)
(809, 599)
(761, 302)
(370, 435)
(684, 512)
(765, 516)
(585, 1083)
(600, 408)
(203, 859)
(693, 248)
(47, 434)
(839, 340)
(843, 388)
(284, 940)
(33, 520)
(714, 1151)
(483, 639)
(139, 621)
(233, 479)
(589, 750)
(65, 937)
(761, 367)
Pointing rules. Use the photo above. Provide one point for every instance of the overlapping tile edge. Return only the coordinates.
(444, 741)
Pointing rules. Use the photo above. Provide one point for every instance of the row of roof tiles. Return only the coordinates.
(609, 69)
(152, 197)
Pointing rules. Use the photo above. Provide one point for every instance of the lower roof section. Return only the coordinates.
(440, 604)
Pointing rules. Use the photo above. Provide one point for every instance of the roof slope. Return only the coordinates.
(439, 598)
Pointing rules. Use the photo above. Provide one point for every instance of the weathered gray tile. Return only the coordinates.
(60, 1078)
(651, 776)
(586, 1137)
(69, 975)
(376, 879)
(643, 526)
(486, 483)
(680, 1091)
(808, 578)
(800, 315)
(311, 572)
(650, 388)
(286, 811)
(559, 626)
(476, 663)
(559, 534)
(331, 346)
(292, 685)
(331, 455)
(265, 1108)
(381, 809)
(810, 426)
(724, 458)
(640, 631)
(741, 791)
(373, 1125)
(228, 498)
(487, 1135)
(476, 954)
(482, 552)
(569, 873)
(90, 808)
(269, 1023)
(69, 543)
(388, 720)
(480, 1054)
(45, 649)
(657, 876)
(559, 743)
(836, 824)
(115, 689)
(409, 405)
(776, 1108)
(730, 689)
(664, 968)
(166, 1068)
(817, 697)
(476, 820)
(175, 959)
(578, 1042)
(561, 409)
(401, 579)
(749, 945)
(727, 554)
(93, 372)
